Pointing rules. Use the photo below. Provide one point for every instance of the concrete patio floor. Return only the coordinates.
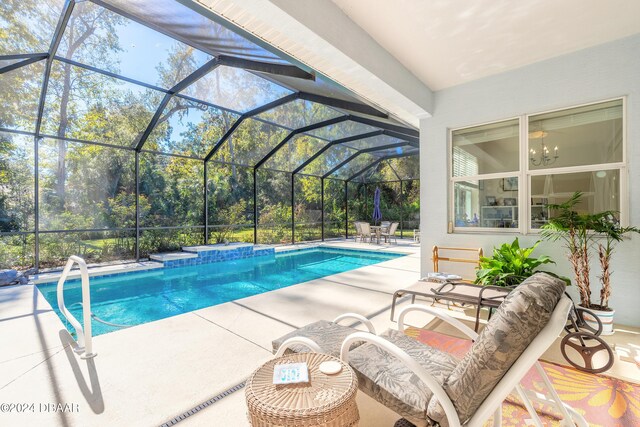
(149, 374)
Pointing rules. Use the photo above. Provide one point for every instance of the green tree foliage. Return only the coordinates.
(87, 192)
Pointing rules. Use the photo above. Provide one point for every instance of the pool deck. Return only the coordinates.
(150, 374)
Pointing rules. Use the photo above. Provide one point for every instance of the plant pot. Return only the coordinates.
(606, 317)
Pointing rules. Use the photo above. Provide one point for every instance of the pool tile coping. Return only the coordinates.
(172, 256)
(103, 271)
(157, 262)
(217, 247)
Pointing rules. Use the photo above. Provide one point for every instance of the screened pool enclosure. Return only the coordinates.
(134, 127)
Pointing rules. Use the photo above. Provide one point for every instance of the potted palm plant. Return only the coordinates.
(580, 234)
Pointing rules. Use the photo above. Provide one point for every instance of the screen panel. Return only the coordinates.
(16, 183)
(307, 208)
(28, 25)
(295, 152)
(19, 97)
(85, 186)
(93, 247)
(108, 41)
(358, 205)
(235, 89)
(231, 212)
(299, 113)
(189, 128)
(17, 251)
(250, 142)
(93, 107)
(274, 207)
(171, 191)
(334, 205)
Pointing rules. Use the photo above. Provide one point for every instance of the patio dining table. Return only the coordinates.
(377, 230)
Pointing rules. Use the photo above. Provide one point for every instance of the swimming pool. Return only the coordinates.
(134, 298)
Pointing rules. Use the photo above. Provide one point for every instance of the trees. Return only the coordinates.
(99, 183)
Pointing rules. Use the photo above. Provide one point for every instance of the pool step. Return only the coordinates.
(205, 254)
(172, 256)
(218, 247)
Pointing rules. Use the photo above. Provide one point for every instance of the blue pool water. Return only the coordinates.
(135, 298)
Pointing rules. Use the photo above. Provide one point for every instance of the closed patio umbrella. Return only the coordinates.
(377, 215)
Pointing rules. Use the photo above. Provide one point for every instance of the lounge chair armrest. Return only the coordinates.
(366, 322)
(443, 316)
(309, 343)
(410, 363)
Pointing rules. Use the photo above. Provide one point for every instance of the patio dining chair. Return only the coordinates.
(416, 234)
(390, 233)
(429, 387)
(365, 232)
(358, 230)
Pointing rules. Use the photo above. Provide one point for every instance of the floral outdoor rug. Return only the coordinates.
(602, 400)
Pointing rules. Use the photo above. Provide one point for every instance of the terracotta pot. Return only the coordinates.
(606, 317)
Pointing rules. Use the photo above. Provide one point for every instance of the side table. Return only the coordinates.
(326, 400)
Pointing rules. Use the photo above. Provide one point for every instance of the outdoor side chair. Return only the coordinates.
(429, 387)
(358, 230)
(416, 234)
(391, 233)
(365, 229)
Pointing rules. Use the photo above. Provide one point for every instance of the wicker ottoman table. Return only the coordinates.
(326, 400)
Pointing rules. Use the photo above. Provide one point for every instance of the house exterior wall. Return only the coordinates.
(599, 73)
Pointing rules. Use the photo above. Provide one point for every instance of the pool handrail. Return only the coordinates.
(84, 334)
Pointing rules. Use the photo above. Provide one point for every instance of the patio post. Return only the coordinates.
(137, 171)
(36, 205)
(255, 208)
(206, 206)
(293, 212)
(322, 208)
(401, 211)
(346, 209)
(366, 201)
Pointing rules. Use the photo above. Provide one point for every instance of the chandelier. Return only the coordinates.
(544, 158)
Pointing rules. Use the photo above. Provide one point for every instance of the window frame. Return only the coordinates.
(525, 174)
(481, 177)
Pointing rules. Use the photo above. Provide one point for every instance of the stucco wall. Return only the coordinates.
(595, 74)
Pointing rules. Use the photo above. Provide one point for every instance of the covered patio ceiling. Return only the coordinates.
(181, 71)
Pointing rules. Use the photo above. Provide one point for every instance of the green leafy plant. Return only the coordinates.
(509, 265)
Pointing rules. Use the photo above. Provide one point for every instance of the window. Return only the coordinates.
(485, 177)
(576, 149)
(504, 174)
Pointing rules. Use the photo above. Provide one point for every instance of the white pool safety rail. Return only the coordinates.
(84, 335)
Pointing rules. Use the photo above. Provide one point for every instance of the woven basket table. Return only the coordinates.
(326, 400)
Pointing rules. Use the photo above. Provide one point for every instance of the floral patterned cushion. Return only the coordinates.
(520, 318)
(328, 335)
(386, 379)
